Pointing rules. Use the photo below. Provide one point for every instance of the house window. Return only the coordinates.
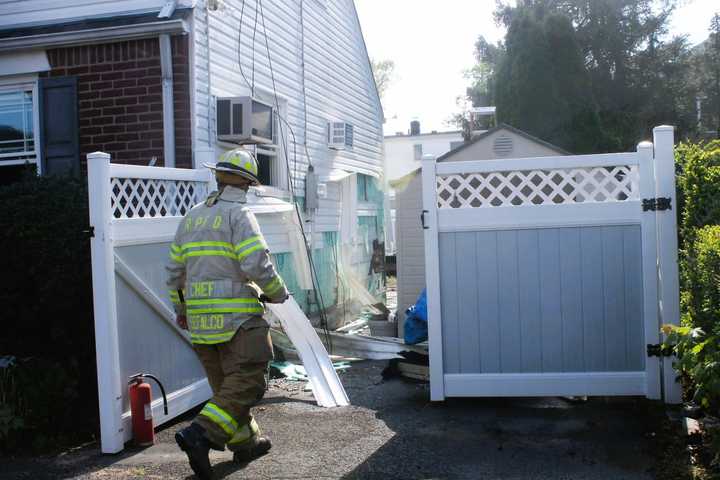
(417, 151)
(17, 126)
(362, 187)
(271, 157)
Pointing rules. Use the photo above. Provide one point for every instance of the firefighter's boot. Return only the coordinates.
(256, 448)
(193, 442)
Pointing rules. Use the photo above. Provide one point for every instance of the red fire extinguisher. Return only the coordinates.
(141, 408)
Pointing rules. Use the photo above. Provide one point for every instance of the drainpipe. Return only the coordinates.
(167, 99)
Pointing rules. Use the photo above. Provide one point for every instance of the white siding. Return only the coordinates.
(17, 13)
(338, 80)
(338, 85)
(410, 247)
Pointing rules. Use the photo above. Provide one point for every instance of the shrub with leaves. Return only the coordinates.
(697, 340)
(701, 278)
(698, 360)
(698, 184)
(47, 290)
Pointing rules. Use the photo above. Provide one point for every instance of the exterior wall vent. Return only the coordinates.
(340, 135)
(503, 146)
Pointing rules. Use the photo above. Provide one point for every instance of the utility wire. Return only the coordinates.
(252, 90)
(313, 271)
(239, 48)
(302, 70)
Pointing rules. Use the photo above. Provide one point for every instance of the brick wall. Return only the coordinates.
(120, 98)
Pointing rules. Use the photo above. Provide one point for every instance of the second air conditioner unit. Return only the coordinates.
(340, 135)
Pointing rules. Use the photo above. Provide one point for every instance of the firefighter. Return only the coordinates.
(220, 275)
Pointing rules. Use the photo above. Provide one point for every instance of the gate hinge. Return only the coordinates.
(659, 350)
(659, 204)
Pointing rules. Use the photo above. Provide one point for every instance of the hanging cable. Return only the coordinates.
(313, 271)
(302, 72)
(239, 48)
(302, 80)
(252, 89)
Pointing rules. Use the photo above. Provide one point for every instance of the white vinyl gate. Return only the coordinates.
(134, 212)
(550, 276)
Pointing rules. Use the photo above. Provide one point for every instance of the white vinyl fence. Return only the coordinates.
(552, 275)
(134, 212)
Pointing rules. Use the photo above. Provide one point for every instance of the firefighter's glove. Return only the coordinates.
(181, 321)
(265, 299)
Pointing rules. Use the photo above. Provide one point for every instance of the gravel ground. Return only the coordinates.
(392, 431)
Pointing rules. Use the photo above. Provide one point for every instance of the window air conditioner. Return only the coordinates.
(340, 135)
(244, 120)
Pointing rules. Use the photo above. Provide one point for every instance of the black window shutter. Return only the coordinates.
(59, 126)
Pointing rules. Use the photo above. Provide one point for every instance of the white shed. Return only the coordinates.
(500, 142)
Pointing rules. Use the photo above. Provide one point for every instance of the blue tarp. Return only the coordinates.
(416, 326)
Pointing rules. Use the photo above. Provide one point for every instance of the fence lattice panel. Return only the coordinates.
(538, 187)
(152, 198)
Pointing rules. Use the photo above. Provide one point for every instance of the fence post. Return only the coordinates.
(104, 304)
(432, 277)
(669, 285)
(649, 268)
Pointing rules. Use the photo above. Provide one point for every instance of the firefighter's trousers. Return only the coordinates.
(236, 371)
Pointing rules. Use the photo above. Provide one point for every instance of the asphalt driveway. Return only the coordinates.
(392, 431)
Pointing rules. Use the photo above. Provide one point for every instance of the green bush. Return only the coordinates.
(42, 405)
(696, 341)
(698, 361)
(698, 185)
(46, 291)
(701, 272)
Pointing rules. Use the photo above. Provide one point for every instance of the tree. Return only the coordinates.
(711, 66)
(635, 78)
(488, 56)
(383, 71)
(541, 85)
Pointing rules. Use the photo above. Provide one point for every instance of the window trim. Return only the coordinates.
(276, 151)
(21, 83)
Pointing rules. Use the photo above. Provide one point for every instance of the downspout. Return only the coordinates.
(167, 99)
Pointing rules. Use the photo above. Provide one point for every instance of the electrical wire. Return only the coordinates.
(252, 90)
(302, 70)
(239, 56)
(313, 271)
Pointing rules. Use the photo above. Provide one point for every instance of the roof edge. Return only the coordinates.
(510, 128)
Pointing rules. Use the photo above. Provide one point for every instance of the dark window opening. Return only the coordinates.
(264, 174)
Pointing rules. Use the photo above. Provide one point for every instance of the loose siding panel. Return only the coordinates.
(547, 300)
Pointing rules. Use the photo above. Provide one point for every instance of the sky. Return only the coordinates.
(431, 43)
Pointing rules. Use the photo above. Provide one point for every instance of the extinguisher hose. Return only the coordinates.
(162, 389)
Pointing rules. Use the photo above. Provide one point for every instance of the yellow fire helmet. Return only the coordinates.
(237, 162)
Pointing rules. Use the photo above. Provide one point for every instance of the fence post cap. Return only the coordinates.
(98, 156)
(646, 144)
(664, 128)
